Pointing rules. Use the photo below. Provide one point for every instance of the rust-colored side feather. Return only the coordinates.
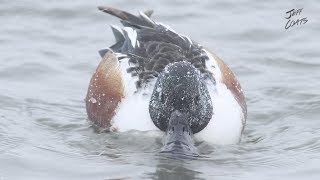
(231, 82)
(105, 91)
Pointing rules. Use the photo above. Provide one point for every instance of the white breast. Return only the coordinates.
(226, 124)
(133, 111)
(224, 128)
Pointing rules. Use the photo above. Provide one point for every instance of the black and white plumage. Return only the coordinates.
(121, 88)
(151, 46)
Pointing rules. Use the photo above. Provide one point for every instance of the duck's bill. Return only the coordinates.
(178, 139)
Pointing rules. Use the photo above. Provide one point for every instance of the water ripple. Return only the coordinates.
(49, 50)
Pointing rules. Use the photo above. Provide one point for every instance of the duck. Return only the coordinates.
(153, 78)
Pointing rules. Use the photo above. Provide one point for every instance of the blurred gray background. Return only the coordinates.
(49, 50)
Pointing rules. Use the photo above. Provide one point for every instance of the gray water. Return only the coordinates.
(48, 52)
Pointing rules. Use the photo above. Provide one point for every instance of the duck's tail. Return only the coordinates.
(123, 36)
(128, 19)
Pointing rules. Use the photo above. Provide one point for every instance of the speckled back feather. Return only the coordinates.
(156, 47)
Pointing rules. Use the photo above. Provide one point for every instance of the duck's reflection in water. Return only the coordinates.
(169, 168)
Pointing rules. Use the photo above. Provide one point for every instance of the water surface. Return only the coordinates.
(48, 53)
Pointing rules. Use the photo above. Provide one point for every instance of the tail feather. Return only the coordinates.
(118, 33)
(130, 19)
(148, 12)
(124, 41)
(146, 17)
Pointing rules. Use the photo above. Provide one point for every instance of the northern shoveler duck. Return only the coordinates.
(155, 78)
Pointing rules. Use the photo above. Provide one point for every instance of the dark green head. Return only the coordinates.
(180, 88)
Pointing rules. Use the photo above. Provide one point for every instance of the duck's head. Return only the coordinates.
(181, 106)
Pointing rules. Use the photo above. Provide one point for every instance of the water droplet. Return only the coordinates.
(93, 100)
(158, 89)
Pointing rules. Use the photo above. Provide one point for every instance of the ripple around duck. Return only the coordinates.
(49, 50)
